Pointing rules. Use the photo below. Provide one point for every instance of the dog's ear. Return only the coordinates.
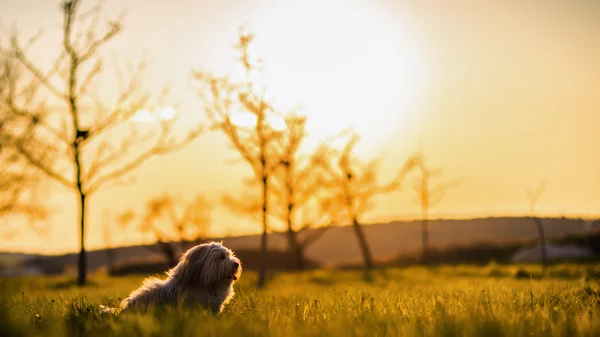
(189, 269)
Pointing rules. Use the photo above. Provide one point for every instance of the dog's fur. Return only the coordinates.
(204, 277)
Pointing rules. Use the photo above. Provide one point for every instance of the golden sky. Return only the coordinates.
(504, 95)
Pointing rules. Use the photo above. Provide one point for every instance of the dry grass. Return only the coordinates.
(416, 301)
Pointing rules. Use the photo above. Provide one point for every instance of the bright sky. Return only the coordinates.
(504, 95)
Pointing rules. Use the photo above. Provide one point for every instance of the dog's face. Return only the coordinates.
(208, 265)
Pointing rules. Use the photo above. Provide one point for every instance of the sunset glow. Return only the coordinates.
(299, 167)
(501, 95)
(349, 66)
(154, 115)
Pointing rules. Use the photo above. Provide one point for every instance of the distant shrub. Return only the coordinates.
(154, 265)
(279, 260)
(521, 273)
(589, 240)
(480, 253)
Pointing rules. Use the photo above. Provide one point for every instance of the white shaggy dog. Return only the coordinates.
(204, 277)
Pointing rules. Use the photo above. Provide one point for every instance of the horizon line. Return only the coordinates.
(370, 223)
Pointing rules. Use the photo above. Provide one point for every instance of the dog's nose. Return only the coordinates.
(236, 265)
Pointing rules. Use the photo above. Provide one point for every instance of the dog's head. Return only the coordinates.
(208, 265)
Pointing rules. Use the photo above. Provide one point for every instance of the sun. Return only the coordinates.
(347, 65)
(154, 115)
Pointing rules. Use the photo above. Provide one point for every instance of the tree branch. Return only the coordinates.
(314, 235)
(38, 164)
(18, 54)
(160, 148)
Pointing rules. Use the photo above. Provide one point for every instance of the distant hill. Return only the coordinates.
(386, 240)
(10, 259)
(339, 246)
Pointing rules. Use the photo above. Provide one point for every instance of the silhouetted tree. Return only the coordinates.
(534, 196)
(300, 202)
(255, 140)
(81, 147)
(428, 195)
(174, 224)
(354, 184)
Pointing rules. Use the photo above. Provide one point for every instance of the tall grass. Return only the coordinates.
(416, 301)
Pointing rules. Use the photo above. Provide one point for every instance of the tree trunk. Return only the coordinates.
(542, 237)
(169, 252)
(299, 258)
(364, 247)
(425, 240)
(425, 216)
(294, 249)
(82, 267)
(110, 258)
(263, 244)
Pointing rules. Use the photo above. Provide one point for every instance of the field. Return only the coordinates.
(415, 301)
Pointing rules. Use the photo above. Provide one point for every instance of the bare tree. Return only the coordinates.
(534, 196)
(354, 186)
(15, 183)
(172, 222)
(86, 142)
(19, 184)
(299, 200)
(255, 141)
(428, 195)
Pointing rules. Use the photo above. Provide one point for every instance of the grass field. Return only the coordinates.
(416, 301)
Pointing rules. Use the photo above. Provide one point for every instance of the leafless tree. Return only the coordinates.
(16, 181)
(19, 184)
(354, 184)
(299, 201)
(172, 222)
(87, 143)
(17, 203)
(428, 195)
(255, 141)
(534, 196)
